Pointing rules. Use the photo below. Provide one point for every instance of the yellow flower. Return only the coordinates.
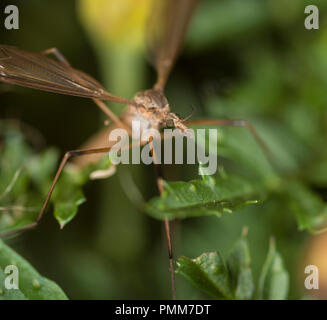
(118, 22)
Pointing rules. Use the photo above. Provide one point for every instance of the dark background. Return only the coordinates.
(248, 59)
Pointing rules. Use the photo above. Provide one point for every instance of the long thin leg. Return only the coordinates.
(57, 54)
(233, 123)
(160, 185)
(67, 156)
(168, 235)
(103, 107)
(5, 58)
(171, 258)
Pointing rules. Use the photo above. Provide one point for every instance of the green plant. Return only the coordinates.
(255, 62)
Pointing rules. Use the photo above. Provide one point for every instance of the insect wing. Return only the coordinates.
(36, 70)
(167, 27)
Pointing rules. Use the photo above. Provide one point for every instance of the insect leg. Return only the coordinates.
(160, 185)
(68, 155)
(170, 254)
(103, 107)
(57, 54)
(233, 123)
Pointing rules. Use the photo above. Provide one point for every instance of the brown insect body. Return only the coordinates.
(152, 109)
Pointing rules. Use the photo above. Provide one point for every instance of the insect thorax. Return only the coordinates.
(152, 110)
(152, 99)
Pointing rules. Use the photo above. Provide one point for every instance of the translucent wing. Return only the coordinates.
(168, 23)
(36, 70)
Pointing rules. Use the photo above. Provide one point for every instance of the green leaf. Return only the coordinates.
(207, 30)
(207, 272)
(234, 279)
(208, 196)
(22, 186)
(66, 209)
(31, 284)
(68, 194)
(25, 178)
(238, 263)
(274, 279)
(309, 209)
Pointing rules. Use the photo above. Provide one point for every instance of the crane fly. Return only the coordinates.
(165, 33)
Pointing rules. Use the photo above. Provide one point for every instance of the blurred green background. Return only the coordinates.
(243, 59)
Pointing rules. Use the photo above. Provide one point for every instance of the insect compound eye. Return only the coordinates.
(170, 123)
